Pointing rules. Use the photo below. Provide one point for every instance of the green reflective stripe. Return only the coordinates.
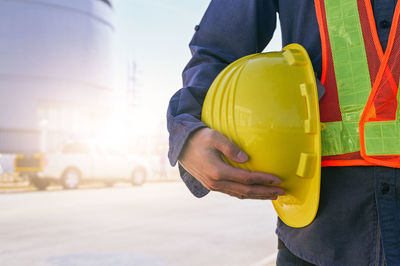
(352, 75)
(382, 138)
(348, 54)
(340, 138)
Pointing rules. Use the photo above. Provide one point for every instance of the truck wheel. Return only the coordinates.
(138, 176)
(71, 178)
(39, 183)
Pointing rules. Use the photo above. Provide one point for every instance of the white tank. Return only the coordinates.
(56, 70)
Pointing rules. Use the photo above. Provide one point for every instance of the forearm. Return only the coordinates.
(229, 30)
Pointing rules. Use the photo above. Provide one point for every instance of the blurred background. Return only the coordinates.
(84, 173)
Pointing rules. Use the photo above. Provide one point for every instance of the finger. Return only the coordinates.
(254, 198)
(229, 149)
(248, 191)
(229, 173)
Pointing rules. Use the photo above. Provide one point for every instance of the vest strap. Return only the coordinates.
(361, 114)
(382, 138)
(340, 137)
(352, 75)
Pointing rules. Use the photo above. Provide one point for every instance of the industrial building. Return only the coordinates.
(56, 72)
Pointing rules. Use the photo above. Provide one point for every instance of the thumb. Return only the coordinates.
(230, 149)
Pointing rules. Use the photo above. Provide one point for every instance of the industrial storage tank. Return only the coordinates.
(56, 71)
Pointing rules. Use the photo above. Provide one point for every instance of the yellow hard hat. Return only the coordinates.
(268, 105)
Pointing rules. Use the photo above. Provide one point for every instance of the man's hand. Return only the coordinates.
(201, 157)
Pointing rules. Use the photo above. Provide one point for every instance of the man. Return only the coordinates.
(358, 222)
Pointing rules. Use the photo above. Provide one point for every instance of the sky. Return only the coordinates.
(155, 34)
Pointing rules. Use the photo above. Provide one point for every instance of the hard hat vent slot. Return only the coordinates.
(294, 57)
(306, 166)
(309, 122)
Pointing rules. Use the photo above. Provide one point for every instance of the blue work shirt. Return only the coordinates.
(358, 219)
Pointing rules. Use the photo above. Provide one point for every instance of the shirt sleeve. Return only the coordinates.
(229, 30)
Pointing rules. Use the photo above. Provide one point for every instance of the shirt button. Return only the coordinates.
(385, 188)
(197, 27)
(384, 24)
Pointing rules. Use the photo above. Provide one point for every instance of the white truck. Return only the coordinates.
(80, 162)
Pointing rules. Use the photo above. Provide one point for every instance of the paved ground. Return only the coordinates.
(156, 224)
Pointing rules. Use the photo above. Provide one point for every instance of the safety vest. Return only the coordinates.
(359, 111)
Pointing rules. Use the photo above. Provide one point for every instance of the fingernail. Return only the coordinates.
(276, 182)
(280, 193)
(242, 156)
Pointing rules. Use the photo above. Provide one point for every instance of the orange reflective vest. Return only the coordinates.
(359, 111)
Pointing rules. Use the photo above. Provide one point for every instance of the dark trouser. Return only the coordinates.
(286, 258)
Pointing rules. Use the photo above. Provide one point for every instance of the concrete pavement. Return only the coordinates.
(157, 224)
